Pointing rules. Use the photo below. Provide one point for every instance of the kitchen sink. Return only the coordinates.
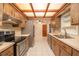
(62, 36)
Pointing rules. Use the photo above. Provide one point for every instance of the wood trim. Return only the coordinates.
(41, 17)
(62, 9)
(32, 9)
(46, 9)
(40, 10)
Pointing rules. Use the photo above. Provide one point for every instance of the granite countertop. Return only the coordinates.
(5, 45)
(74, 43)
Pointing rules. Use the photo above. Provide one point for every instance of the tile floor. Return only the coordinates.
(41, 47)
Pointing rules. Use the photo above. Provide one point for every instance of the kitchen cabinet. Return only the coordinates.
(8, 52)
(56, 24)
(64, 53)
(74, 12)
(14, 13)
(61, 49)
(49, 41)
(23, 24)
(7, 8)
(1, 13)
(75, 53)
(55, 47)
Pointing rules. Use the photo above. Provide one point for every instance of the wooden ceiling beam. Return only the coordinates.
(33, 10)
(46, 9)
(40, 17)
(40, 11)
(62, 9)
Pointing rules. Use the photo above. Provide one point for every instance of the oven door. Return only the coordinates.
(20, 48)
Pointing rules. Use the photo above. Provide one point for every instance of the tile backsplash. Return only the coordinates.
(73, 30)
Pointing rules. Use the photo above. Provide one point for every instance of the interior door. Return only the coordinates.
(44, 29)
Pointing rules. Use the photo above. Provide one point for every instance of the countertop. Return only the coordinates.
(23, 35)
(74, 43)
(18, 37)
(5, 45)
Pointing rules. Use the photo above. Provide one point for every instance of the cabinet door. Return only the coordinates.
(53, 43)
(1, 7)
(74, 13)
(75, 52)
(1, 13)
(56, 49)
(63, 52)
(8, 52)
(7, 8)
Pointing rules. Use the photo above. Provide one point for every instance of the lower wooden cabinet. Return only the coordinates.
(75, 52)
(50, 41)
(61, 49)
(64, 53)
(57, 50)
(8, 52)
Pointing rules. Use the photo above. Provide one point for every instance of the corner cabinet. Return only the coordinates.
(74, 12)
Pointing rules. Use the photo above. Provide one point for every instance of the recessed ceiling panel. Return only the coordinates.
(55, 6)
(24, 6)
(29, 14)
(50, 13)
(39, 6)
(39, 13)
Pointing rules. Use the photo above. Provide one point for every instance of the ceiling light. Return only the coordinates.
(55, 6)
(39, 6)
(39, 13)
(29, 14)
(50, 13)
(24, 6)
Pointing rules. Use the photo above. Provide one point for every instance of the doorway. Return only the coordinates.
(44, 30)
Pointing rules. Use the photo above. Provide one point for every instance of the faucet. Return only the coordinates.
(65, 33)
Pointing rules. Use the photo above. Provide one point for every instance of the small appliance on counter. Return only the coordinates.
(7, 36)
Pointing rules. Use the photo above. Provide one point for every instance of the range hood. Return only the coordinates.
(10, 20)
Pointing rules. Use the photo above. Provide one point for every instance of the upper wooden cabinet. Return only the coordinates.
(74, 12)
(12, 11)
(56, 24)
(1, 13)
